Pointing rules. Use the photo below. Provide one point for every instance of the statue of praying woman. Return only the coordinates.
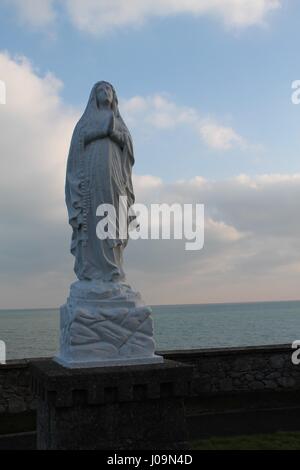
(104, 321)
(98, 172)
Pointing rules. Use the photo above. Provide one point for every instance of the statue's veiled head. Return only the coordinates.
(103, 95)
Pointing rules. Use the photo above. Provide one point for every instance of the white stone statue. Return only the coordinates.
(104, 321)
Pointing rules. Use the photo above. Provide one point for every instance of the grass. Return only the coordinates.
(276, 441)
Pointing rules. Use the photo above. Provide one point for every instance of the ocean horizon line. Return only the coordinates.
(251, 302)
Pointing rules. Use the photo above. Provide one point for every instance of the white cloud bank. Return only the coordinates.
(35, 131)
(252, 243)
(100, 16)
(252, 248)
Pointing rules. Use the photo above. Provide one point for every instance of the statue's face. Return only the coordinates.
(104, 94)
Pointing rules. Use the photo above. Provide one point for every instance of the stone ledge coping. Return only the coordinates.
(192, 353)
(179, 353)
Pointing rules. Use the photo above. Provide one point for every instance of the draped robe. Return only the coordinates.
(98, 173)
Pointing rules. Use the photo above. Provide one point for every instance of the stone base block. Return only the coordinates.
(105, 323)
(118, 408)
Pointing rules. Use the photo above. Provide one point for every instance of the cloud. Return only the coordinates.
(161, 113)
(252, 243)
(101, 16)
(220, 137)
(147, 182)
(36, 13)
(35, 133)
(98, 16)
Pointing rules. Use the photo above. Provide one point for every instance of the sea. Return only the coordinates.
(35, 333)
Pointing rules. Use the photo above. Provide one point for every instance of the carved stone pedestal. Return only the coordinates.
(105, 324)
(111, 408)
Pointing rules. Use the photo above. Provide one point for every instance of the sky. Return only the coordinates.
(205, 88)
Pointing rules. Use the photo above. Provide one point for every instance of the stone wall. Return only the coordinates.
(242, 391)
(241, 369)
(231, 385)
(15, 393)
